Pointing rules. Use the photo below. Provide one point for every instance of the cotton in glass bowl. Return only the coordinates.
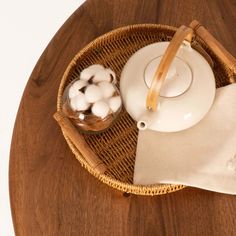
(92, 102)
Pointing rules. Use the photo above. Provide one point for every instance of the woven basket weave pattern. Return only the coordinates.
(116, 146)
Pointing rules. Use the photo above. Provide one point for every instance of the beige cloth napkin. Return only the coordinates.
(203, 156)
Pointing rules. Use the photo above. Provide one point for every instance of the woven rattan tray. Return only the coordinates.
(115, 148)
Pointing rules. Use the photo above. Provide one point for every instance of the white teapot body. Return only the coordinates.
(185, 97)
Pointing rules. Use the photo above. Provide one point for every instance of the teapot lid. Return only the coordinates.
(187, 93)
(178, 79)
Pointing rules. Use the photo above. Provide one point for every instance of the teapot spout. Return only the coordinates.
(146, 120)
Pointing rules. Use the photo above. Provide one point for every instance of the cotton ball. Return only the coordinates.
(112, 73)
(115, 103)
(96, 67)
(86, 74)
(100, 109)
(75, 87)
(102, 75)
(93, 93)
(79, 84)
(79, 103)
(107, 89)
(90, 71)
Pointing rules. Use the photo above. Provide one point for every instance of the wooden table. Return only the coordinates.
(51, 194)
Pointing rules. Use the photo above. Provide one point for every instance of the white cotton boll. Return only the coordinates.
(100, 109)
(93, 93)
(96, 67)
(79, 103)
(107, 89)
(110, 71)
(79, 84)
(115, 103)
(90, 71)
(86, 74)
(73, 92)
(102, 75)
(76, 86)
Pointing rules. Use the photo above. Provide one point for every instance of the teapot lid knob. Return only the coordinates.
(178, 79)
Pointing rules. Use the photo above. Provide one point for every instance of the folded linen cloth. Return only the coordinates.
(203, 156)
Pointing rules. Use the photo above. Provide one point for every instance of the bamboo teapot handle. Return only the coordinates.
(183, 33)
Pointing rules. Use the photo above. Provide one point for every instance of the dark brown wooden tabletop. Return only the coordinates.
(51, 194)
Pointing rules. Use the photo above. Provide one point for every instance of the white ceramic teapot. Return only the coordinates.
(176, 95)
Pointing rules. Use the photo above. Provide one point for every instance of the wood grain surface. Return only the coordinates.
(51, 194)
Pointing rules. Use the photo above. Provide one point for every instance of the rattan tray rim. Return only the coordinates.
(150, 190)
